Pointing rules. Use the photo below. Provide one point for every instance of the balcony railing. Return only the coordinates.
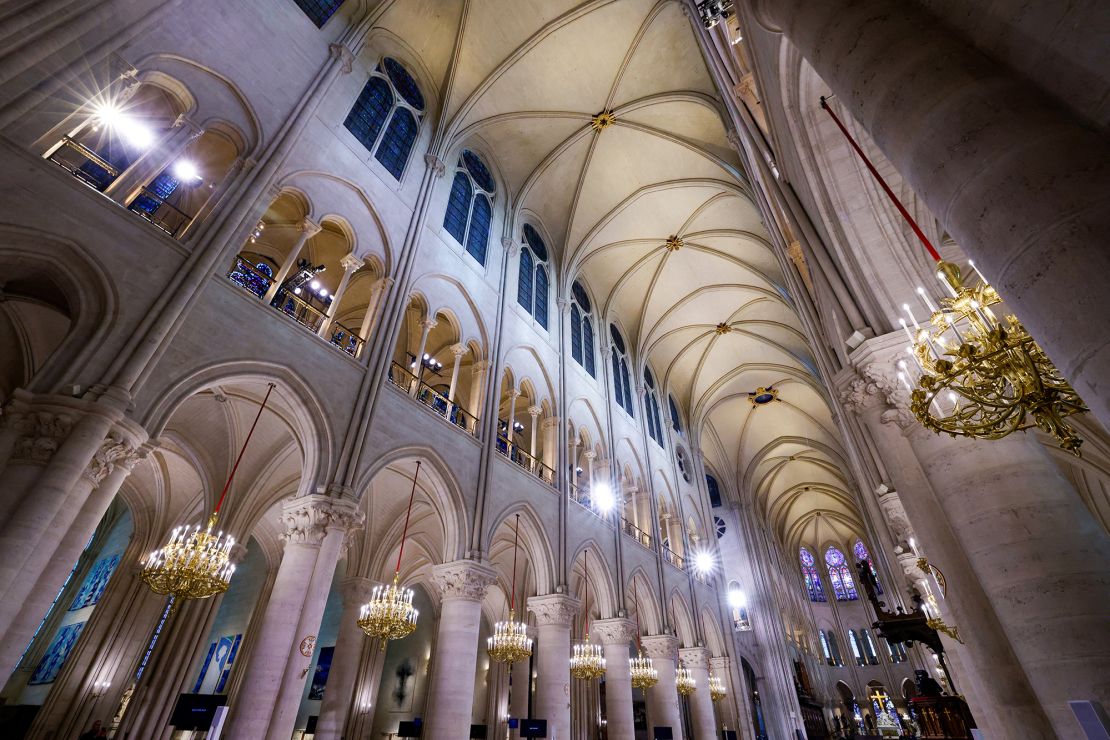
(250, 277)
(674, 558)
(631, 530)
(84, 164)
(301, 311)
(346, 339)
(531, 464)
(154, 208)
(581, 497)
(450, 411)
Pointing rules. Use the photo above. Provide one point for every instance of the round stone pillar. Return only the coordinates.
(520, 687)
(701, 704)
(463, 585)
(315, 529)
(616, 635)
(554, 615)
(339, 692)
(663, 696)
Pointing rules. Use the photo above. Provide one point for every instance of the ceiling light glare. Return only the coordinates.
(603, 497)
(703, 561)
(736, 599)
(185, 171)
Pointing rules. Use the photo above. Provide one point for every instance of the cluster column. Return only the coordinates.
(701, 705)
(344, 668)
(663, 696)
(554, 615)
(462, 585)
(316, 528)
(616, 635)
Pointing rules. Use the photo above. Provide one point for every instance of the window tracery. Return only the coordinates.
(622, 389)
(469, 208)
(581, 329)
(814, 588)
(386, 115)
(532, 281)
(840, 575)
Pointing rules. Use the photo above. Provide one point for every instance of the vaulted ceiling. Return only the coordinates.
(712, 317)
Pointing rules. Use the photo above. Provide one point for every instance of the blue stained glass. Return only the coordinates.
(579, 294)
(458, 207)
(404, 83)
(159, 189)
(714, 489)
(840, 576)
(397, 143)
(524, 280)
(95, 583)
(618, 392)
(588, 346)
(477, 238)
(627, 389)
(814, 588)
(478, 171)
(541, 296)
(55, 656)
(648, 378)
(318, 11)
(674, 414)
(535, 242)
(576, 334)
(369, 112)
(861, 553)
(617, 340)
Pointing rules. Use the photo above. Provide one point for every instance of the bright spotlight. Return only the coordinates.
(703, 561)
(323, 292)
(315, 285)
(736, 599)
(603, 497)
(108, 115)
(185, 171)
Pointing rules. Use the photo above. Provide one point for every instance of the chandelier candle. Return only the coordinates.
(510, 641)
(644, 675)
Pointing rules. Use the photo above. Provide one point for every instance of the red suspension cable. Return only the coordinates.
(882, 183)
(639, 645)
(586, 575)
(246, 442)
(408, 515)
(516, 541)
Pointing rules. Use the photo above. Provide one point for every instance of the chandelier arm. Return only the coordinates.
(242, 450)
(408, 515)
(882, 183)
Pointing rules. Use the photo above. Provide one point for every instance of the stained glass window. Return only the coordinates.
(95, 583)
(622, 389)
(588, 346)
(576, 333)
(720, 526)
(469, 210)
(525, 279)
(651, 408)
(390, 95)
(814, 588)
(840, 575)
(675, 419)
(853, 641)
(532, 280)
(868, 646)
(825, 648)
(861, 554)
(714, 490)
(160, 188)
(581, 329)
(55, 656)
(318, 11)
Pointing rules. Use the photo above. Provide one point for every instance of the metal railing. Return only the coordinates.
(300, 311)
(450, 411)
(345, 339)
(531, 464)
(84, 164)
(674, 558)
(581, 497)
(152, 207)
(641, 537)
(247, 276)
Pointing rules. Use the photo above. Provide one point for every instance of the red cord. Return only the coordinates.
(246, 442)
(408, 514)
(516, 539)
(586, 575)
(882, 183)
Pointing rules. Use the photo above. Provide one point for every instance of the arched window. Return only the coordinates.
(825, 648)
(714, 489)
(386, 115)
(622, 390)
(897, 652)
(809, 573)
(469, 209)
(853, 641)
(868, 646)
(738, 605)
(581, 329)
(675, 418)
(531, 291)
(651, 409)
(840, 575)
(720, 526)
(318, 11)
(833, 644)
(861, 553)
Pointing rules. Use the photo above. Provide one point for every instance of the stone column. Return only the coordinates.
(315, 529)
(308, 229)
(426, 325)
(350, 264)
(534, 413)
(376, 294)
(554, 615)
(509, 432)
(1016, 178)
(726, 708)
(663, 696)
(339, 692)
(156, 160)
(477, 384)
(701, 705)
(550, 429)
(615, 635)
(457, 351)
(462, 585)
(520, 688)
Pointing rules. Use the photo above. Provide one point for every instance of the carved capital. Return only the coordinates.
(549, 423)
(350, 262)
(114, 452)
(662, 647)
(534, 411)
(870, 385)
(554, 609)
(614, 631)
(480, 367)
(458, 350)
(356, 590)
(720, 665)
(344, 55)
(695, 657)
(895, 513)
(308, 519)
(511, 247)
(435, 164)
(463, 579)
(39, 434)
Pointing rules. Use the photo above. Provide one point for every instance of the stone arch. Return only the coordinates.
(602, 588)
(533, 539)
(711, 629)
(643, 601)
(683, 619)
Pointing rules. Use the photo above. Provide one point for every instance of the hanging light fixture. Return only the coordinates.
(389, 614)
(196, 563)
(510, 641)
(717, 690)
(643, 673)
(976, 375)
(684, 681)
(588, 660)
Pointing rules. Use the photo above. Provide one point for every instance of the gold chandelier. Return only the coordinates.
(389, 614)
(195, 563)
(510, 641)
(588, 660)
(717, 690)
(684, 681)
(643, 673)
(978, 376)
(982, 377)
